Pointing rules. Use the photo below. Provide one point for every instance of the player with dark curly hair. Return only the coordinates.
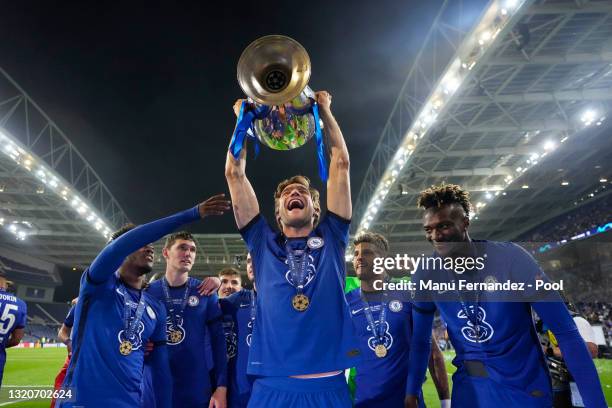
(499, 359)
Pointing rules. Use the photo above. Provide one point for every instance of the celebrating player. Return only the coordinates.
(231, 282)
(384, 324)
(13, 312)
(499, 359)
(114, 318)
(238, 319)
(303, 336)
(190, 319)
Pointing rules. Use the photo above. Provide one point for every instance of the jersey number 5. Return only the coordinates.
(7, 319)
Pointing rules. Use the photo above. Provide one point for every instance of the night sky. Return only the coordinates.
(146, 92)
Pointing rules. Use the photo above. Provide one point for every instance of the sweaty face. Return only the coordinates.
(363, 261)
(142, 260)
(181, 255)
(295, 207)
(249, 268)
(229, 284)
(446, 229)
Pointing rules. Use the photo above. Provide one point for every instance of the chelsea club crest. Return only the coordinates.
(193, 301)
(395, 306)
(315, 242)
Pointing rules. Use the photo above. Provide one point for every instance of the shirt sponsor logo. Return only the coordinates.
(476, 333)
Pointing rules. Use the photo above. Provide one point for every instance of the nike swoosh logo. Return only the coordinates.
(245, 304)
(356, 311)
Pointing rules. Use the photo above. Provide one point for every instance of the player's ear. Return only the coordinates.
(165, 252)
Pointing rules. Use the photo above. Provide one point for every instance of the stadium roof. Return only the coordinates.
(53, 205)
(514, 110)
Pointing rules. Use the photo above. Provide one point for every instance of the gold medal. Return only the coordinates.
(300, 302)
(175, 336)
(125, 348)
(380, 351)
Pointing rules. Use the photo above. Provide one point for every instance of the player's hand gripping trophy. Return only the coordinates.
(280, 112)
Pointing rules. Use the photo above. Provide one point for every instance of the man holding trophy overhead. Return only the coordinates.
(303, 337)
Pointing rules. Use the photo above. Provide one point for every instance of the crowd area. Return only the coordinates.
(575, 222)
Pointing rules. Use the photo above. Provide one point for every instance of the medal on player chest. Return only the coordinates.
(175, 336)
(175, 315)
(380, 350)
(130, 326)
(125, 348)
(378, 328)
(298, 263)
(300, 302)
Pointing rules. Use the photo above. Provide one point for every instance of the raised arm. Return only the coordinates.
(338, 183)
(244, 200)
(112, 256)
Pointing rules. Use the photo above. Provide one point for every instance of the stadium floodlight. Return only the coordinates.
(47, 177)
(472, 49)
(603, 180)
(565, 183)
(525, 186)
(549, 145)
(588, 116)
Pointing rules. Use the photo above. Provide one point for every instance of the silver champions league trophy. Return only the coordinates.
(280, 112)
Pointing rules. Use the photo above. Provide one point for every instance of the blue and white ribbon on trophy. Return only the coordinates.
(244, 130)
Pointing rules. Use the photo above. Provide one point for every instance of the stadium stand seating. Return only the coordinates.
(25, 273)
(44, 319)
(570, 224)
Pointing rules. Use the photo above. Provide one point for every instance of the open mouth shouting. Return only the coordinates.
(294, 203)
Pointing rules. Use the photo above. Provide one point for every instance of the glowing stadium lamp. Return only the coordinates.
(603, 180)
(565, 183)
(549, 145)
(525, 186)
(484, 37)
(588, 117)
(510, 4)
(488, 195)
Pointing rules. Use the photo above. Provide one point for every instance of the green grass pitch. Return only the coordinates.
(38, 367)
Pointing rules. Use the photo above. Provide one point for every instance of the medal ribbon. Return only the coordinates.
(252, 311)
(379, 331)
(174, 317)
(298, 267)
(131, 326)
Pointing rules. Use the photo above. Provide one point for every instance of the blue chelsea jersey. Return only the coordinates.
(378, 378)
(320, 339)
(99, 374)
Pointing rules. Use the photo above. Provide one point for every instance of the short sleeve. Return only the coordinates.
(255, 233)
(337, 226)
(69, 320)
(159, 333)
